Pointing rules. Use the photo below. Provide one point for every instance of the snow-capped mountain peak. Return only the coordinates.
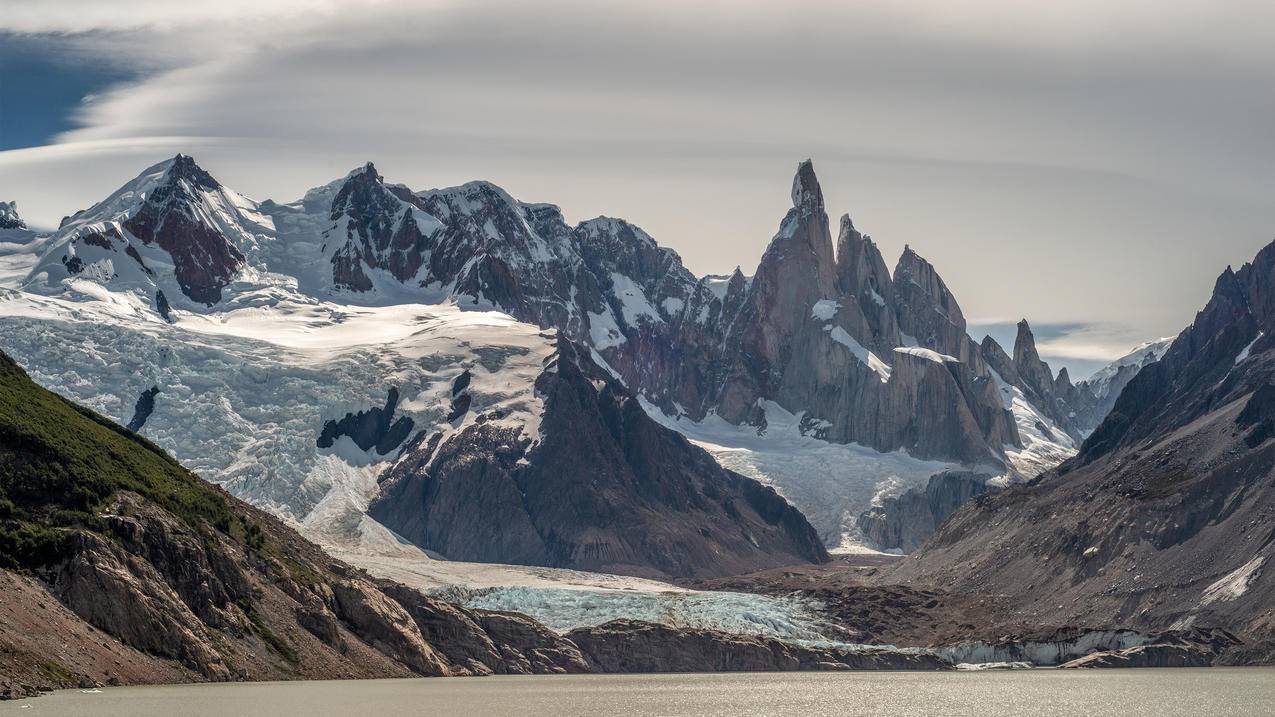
(1105, 380)
(172, 227)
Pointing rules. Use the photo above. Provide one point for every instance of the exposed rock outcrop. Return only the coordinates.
(488, 642)
(382, 231)
(204, 261)
(374, 428)
(1145, 656)
(143, 408)
(173, 215)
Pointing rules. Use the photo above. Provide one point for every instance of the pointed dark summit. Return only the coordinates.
(806, 192)
(184, 167)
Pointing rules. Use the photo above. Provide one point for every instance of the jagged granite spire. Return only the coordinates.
(806, 192)
(861, 273)
(1034, 372)
(796, 271)
(927, 310)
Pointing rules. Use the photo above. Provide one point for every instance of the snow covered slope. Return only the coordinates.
(244, 394)
(172, 234)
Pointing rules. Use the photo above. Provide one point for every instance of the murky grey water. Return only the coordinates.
(1128, 693)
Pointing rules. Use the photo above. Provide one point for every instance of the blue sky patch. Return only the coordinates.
(43, 81)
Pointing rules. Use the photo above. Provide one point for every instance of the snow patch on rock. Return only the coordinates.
(1234, 584)
(926, 354)
(866, 357)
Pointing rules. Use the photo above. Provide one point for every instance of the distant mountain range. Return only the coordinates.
(201, 317)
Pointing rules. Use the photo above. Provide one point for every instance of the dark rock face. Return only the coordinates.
(1145, 656)
(904, 522)
(142, 411)
(381, 232)
(634, 646)
(204, 260)
(161, 305)
(1176, 487)
(605, 488)
(1073, 647)
(174, 214)
(373, 428)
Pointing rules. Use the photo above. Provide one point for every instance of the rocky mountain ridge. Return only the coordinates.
(815, 330)
(1176, 485)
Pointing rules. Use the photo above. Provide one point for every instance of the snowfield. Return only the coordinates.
(831, 483)
(244, 394)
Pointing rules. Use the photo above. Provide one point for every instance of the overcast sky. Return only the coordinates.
(1091, 165)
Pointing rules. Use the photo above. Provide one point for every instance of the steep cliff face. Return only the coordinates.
(1164, 516)
(795, 273)
(1109, 382)
(928, 313)
(601, 487)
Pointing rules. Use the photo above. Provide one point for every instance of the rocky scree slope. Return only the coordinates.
(1165, 517)
(119, 566)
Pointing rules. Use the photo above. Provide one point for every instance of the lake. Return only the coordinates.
(1128, 693)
